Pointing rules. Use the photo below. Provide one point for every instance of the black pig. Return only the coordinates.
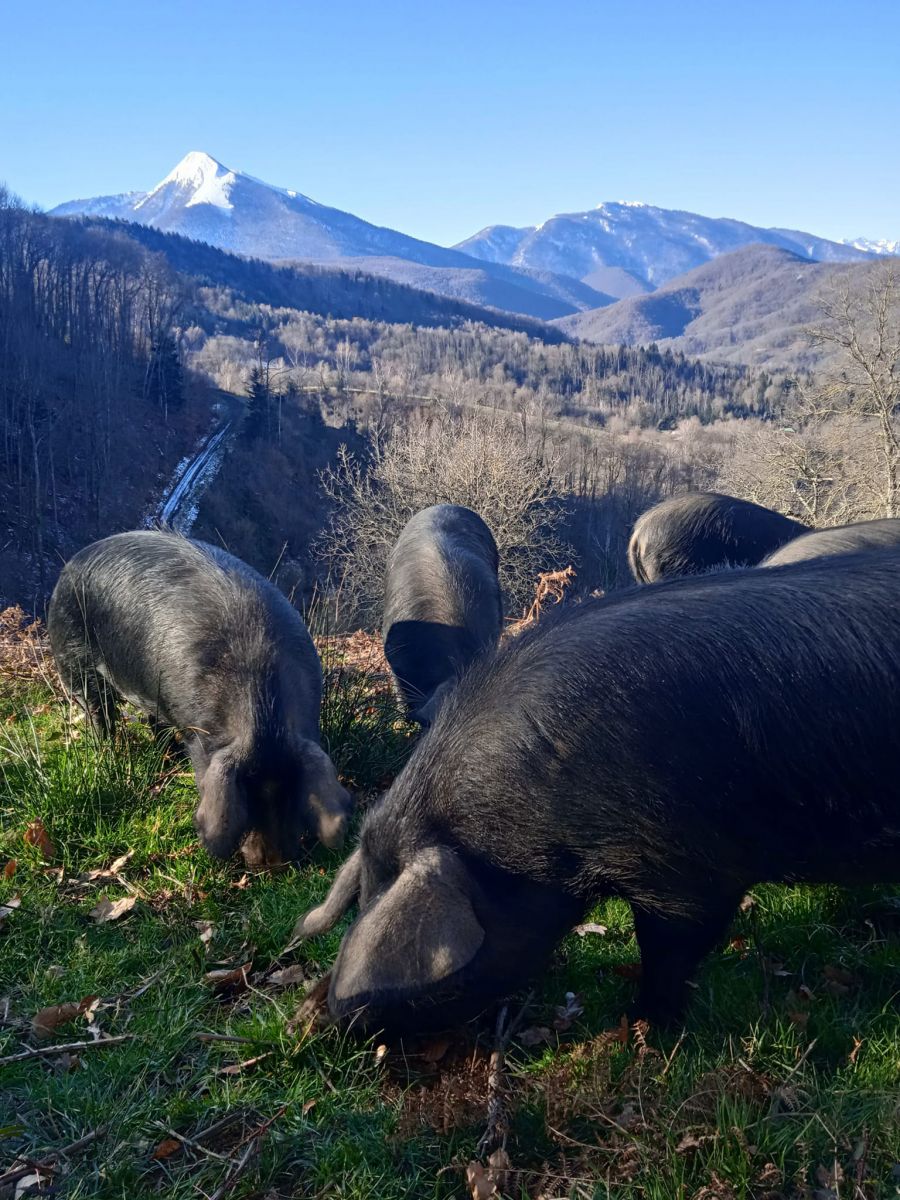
(671, 745)
(201, 642)
(442, 605)
(695, 532)
(842, 539)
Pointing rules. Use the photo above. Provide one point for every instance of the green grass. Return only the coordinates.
(788, 1066)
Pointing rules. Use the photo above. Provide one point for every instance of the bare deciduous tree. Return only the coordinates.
(863, 326)
(820, 472)
(471, 460)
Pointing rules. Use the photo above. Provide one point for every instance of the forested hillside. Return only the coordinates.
(115, 341)
(328, 290)
(95, 405)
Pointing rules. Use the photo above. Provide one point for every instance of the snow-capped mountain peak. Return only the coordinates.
(205, 179)
(874, 245)
(195, 168)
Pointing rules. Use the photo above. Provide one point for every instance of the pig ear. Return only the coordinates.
(324, 800)
(221, 817)
(417, 933)
(343, 892)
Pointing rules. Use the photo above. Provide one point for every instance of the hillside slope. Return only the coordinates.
(345, 291)
(751, 307)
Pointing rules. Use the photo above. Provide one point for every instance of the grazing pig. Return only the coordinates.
(201, 642)
(671, 745)
(442, 604)
(695, 532)
(842, 539)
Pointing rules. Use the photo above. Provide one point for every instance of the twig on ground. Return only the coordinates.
(496, 1129)
(252, 1139)
(226, 1037)
(233, 1068)
(40, 1051)
(234, 1173)
(675, 1050)
(180, 1137)
(49, 1162)
(144, 987)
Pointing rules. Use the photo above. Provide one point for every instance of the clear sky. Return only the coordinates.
(440, 118)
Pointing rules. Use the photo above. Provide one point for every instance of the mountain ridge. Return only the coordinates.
(652, 245)
(207, 201)
(570, 264)
(751, 306)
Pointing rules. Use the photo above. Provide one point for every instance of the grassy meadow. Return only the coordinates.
(783, 1083)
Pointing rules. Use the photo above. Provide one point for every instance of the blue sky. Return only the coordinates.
(438, 119)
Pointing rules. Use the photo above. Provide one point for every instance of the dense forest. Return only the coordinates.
(95, 406)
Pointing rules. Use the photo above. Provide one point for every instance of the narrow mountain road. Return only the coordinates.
(181, 499)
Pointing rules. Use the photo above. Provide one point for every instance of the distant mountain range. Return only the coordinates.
(620, 272)
(204, 200)
(627, 248)
(570, 263)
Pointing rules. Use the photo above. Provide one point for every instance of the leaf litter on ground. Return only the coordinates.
(112, 910)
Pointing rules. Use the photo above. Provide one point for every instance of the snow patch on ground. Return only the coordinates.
(180, 501)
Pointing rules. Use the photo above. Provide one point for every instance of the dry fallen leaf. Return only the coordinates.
(45, 1022)
(112, 910)
(119, 863)
(481, 1185)
(228, 980)
(36, 835)
(10, 869)
(166, 1148)
(854, 1053)
(105, 874)
(31, 1185)
(499, 1166)
(689, 1141)
(206, 929)
(590, 927)
(288, 976)
(237, 1068)
(9, 906)
(490, 1181)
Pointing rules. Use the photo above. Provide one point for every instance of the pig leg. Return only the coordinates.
(97, 699)
(671, 950)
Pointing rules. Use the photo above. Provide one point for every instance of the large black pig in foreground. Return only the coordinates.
(442, 605)
(671, 745)
(199, 641)
(842, 539)
(695, 532)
